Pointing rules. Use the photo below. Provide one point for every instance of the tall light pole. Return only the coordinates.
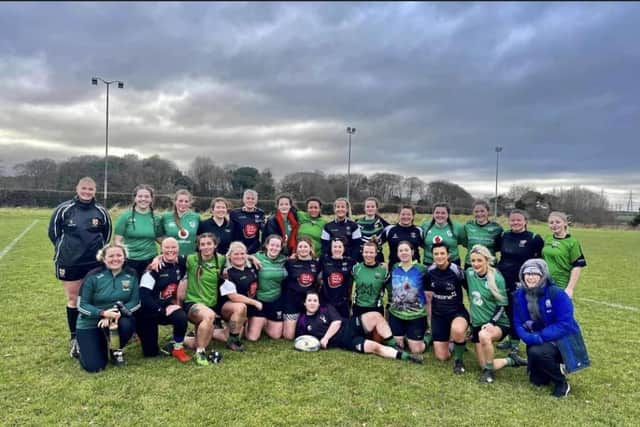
(350, 131)
(94, 81)
(495, 200)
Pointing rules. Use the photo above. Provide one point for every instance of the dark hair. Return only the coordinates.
(312, 292)
(440, 245)
(133, 205)
(520, 212)
(433, 220)
(373, 199)
(284, 196)
(410, 207)
(200, 260)
(268, 239)
(222, 200)
(313, 199)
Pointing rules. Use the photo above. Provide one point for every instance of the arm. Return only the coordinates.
(147, 284)
(54, 225)
(334, 327)
(573, 280)
(106, 232)
(85, 299)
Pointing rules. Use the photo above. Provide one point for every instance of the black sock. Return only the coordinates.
(72, 317)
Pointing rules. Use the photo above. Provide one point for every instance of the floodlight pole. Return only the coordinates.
(350, 131)
(94, 81)
(495, 200)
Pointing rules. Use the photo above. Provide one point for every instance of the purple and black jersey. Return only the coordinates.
(317, 324)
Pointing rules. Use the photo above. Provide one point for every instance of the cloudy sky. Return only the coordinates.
(432, 89)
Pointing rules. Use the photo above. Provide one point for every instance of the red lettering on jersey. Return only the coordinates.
(253, 287)
(169, 291)
(305, 280)
(335, 279)
(250, 230)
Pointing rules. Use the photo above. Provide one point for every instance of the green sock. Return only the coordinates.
(404, 355)
(510, 361)
(458, 350)
(391, 341)
(428, 339)
(489, 366)
(177, 345)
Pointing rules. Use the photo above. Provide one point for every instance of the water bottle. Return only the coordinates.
(114, 337)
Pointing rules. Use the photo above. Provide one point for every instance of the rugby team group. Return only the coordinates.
(240, 273)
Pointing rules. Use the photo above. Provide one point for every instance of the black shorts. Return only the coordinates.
(73, 273)
(475, 331)
(441, 325)
(351, 336)
(357, 310)
(271, 310)
(293, 302)
(413, 329)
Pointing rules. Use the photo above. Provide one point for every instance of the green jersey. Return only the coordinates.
(486, 235)
(186, 234)
(452, 234)
(482, 302)
(139, 232)
(311, 228)
(270, 277)
(562, 255)
(202, 279)
(368, 283)
(101, 290)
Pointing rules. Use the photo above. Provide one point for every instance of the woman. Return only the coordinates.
(247, 221)
(369, 278)
(403, 231)
(201, 301)
(447, 314)
(544, 320)
(489, 321)
(311, 223)
(481, 231)
(284, 223)
(78, 229)
(271, 275)
(372, 226)
(138, 228)
(563, 254)
(302, 276)
(442, 229)
(407, 300)
(108, 297)
(159, 298)
(333, 330)
(181, 222)
(238, 294)
(516, 246)
(218, 224)
(342, 227)
(336, 279)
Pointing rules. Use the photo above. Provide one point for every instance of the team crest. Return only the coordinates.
(126, 285)
(476, 298)
(95, 222)
(523, 243)
(61, 272)
(192, 224)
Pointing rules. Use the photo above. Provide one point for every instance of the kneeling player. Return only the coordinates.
(332, 330)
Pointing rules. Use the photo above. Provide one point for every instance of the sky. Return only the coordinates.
(431, 88)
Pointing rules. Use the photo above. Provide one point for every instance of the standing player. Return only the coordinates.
(78, 229)
(372, 226)
(336, 279)
(442, 230)
(403, 231)
(247, 222)
(516, 246)
(218, 224)
(284, 223)
(563, 253)
(311, 223)
(369, 278)
(181, 222)
(342, 227)
(482, 231)
(446, 312)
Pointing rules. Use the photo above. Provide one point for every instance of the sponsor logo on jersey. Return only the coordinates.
(253, 287)
(183, 233)
(413, 235)
(250, 230)
(522, 243)
(305, 279)
(323, 318)
(95, 222)
(335, 279)
(169, 291)
(437, 239)
(61, 272)
(476, 298)
(126, 285)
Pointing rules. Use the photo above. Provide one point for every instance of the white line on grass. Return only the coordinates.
(610, 304)
(12, 244)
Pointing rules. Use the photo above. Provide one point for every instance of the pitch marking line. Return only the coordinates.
(609, 304)
(12, 244)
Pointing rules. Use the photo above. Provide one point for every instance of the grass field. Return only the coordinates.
(271, 384)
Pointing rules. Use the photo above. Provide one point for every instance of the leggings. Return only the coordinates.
(148, 329)
(544, 364)
(94, 348)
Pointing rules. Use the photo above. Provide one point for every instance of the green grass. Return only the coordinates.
(271, 384)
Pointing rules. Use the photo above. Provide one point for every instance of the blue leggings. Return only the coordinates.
(94, 348)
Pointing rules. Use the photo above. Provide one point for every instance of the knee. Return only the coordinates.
(484, 337)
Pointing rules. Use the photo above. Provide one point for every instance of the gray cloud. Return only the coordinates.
(431, 88)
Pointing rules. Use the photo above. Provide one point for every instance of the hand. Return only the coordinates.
(112, 313)
(254, 261)
(170, 309)
(528, 325)
(156, 264)
(103, 323)
(324, 342)
(257, 304)
(569, 292)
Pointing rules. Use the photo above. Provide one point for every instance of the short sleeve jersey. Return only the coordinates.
(371, 228)
(244, 282)
(270, 277)
(247, 227)
(483, 303)
(203, 289)
(185, 234)
(317, 324)
(394, 234)
(223, 232)
(451, 234)
(368, 283)
(407, 291)
(515, 249)
(446, 286)
(302, 275)
(562, 255)
(162, 285)
(139, 231)
(487, 235)
(336, 280)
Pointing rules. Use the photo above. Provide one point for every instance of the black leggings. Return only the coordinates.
(512, 332)
(94, 348)
(544, 364)
(148, 329)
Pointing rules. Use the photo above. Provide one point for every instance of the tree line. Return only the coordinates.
(206, 179)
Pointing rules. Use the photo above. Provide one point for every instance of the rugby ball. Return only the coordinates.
(306, 343)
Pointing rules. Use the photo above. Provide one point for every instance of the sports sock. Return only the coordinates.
(489, 366)
(405, 355)
(390, 341)
(510, 361)
(458, 350)
(178, 345)
(399, 355)
(72, 318)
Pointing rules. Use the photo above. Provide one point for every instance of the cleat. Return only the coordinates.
(416, 358)
(201, 359)
(180, 354)
(517, 359)
(561, 390)
(117, 358)
(487, 376)
(458, 367)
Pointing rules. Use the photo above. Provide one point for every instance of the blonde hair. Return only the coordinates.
(308, 241)
(233, 247)
(562, 216)
(103, 251)
(176, 217)
(491, 271)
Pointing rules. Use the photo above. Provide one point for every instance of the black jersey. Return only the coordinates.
(159, 288)
(336, 280)
(347, 230)
(317, 324)
(446, 286)
(243, 282)
(394, 234)
(302, 275)
(246, 227)
(223, 232)
(515, 249)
